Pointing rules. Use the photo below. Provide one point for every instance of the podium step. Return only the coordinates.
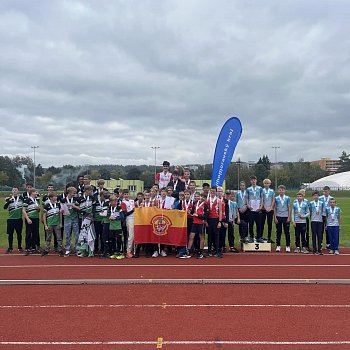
(256, 247)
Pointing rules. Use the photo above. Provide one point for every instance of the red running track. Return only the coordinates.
(144, 313)
(233, 266)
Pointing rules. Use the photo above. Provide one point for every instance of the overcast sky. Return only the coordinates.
(97, 82)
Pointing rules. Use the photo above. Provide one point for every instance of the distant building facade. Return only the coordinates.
(133, 186)
(330, 165)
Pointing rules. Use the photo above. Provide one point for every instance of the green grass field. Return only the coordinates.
(343, 201)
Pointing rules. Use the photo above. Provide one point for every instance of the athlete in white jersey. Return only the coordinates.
(163, 178)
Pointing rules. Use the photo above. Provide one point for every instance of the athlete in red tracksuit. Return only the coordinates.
(216, 221)
(199, 213)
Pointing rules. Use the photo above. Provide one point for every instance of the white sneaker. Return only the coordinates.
(67, 253)
(163, 253)
(305, 251)
(331, 252)
(297, 250)
(287, 249)
(278, 248)
(155, 254)
(336, 252)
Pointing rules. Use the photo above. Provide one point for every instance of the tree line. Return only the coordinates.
(19, 170)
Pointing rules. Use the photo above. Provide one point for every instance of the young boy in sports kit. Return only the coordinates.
(80, 185)
(115, 233)
(71, 221)
(186, 179)
(26, 194)
(212, 221)
(87, 237)
(163, 178)
(223, 216)
(31, 209)
(176, 183)
(14, 206)
(162, 204)
(300, 211)
(187, 204)
(52, 218)
(255, 204)
(307, 230)
(192, 187)
(282, 217)
(128, 206)
(100, 188)
(325, 198)
(267, 209)
(87, 182)
(316, 210)
(333, 216)
(199, 212)
(100, 208)
(241, 198)
(233, 217)
(46, 199)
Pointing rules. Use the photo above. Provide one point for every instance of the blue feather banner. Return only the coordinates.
(225, 147)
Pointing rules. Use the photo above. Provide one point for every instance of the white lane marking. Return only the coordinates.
(175, 265)
(226, 254)
(177, 342)
(165, 305)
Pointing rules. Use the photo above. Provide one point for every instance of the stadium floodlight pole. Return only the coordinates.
(155, 158)
(238, 169)
(275, 148)
(34, 149)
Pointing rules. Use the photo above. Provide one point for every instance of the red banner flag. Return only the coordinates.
(160, 226)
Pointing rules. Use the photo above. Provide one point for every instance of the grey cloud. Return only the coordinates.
(111, 79)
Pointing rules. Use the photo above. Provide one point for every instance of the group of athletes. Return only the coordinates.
(102, 223)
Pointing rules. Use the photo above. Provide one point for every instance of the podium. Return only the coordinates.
(256, 247)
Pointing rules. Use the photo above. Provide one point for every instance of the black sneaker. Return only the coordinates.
(44, 252)
(105, 256)
(60, 253)
(136, 256)
(26, 252)
(251, 240)
(9, 250)
(260, 240)
(20, 250)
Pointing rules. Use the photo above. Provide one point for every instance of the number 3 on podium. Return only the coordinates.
(256, 246)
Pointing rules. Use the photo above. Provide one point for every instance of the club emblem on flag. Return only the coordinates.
(161, 225)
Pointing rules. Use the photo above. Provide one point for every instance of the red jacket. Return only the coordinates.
(201, 209)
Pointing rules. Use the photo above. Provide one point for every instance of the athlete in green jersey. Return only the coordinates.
(14, 205)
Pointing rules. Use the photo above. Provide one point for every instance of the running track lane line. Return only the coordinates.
(228, 254)
(165, 306)
(173, 265)
(171, 281)
(178, 342)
